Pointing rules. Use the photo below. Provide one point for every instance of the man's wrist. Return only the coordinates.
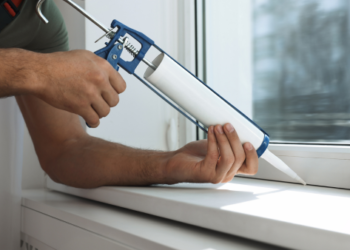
(154, 168)
(37, 73)
(167, 175)
(19, 74)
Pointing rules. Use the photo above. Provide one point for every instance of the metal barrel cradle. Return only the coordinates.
(114, 48)
(112, 53)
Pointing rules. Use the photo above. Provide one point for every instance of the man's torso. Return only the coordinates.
(27, 31)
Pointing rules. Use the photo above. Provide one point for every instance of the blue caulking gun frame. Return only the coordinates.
(119, 41)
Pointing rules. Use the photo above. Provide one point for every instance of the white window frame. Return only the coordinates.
(322, 165)
(187, 57)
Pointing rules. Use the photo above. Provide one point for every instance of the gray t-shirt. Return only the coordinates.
(27, 31)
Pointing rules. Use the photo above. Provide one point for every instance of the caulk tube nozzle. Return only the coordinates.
(280, 165)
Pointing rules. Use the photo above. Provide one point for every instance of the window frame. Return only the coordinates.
(187, 56)
(321, 165)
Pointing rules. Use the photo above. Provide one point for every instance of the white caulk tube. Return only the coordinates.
(208, 108)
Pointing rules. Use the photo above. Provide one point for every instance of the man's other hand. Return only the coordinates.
(79, 82)
(217, 159)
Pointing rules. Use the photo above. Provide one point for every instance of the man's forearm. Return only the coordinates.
(91, 162)
(70, 156)
(17, 74)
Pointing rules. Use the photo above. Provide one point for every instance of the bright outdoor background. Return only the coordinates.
(301, 69)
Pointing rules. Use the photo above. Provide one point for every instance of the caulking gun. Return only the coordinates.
(179, 87)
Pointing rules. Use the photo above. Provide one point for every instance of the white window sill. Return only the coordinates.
(51, 220)
(283, 214)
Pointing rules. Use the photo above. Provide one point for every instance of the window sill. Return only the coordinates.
(282, 214)
(52, 220)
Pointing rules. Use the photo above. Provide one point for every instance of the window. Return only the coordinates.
(285, 64)
(301, 81)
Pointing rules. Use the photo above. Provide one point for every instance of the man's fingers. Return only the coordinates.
(237, 148)
(226, 155)
(91, 117)
(220, 163)
(250, 167)
(212, 156)
(116, 80)
(101, 107)
(111, 97)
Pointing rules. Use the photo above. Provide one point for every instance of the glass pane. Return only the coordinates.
(301, 89)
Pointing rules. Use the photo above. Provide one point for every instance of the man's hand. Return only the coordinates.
(217, 159)
(79, 82)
